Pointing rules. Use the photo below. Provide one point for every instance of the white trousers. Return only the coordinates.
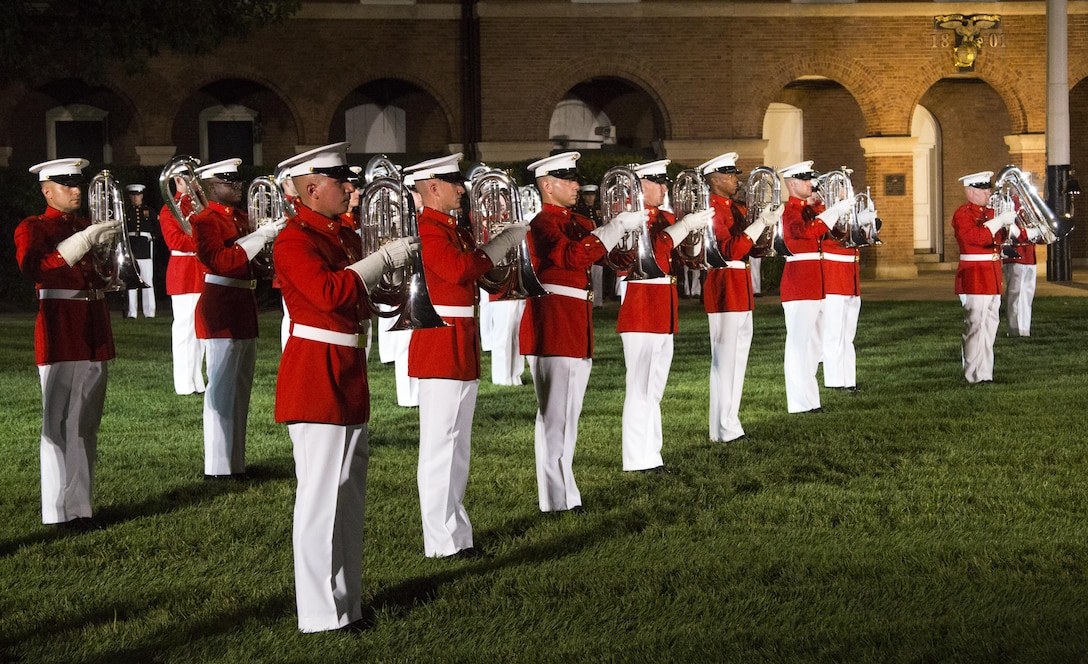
(621, 288)
(981, 315)
(730, 342)
(1019, 295)
(387, 339)
(486, 322)
(188, 351)
(226, 404)
(840, 326)
(407, 386)
(285, 326)
(648, 358)
(327, 537)
(507, 362)
(560, 384)
(757, 280)
(693, 282)
(73, 395)
(596, 279)
(802, 355)
(144, 296)
(446, 408)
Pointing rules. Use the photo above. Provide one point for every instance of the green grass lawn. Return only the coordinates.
(920, 520)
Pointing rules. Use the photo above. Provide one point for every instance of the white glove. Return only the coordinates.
(756, 229)
(610, 234)
(387, 258)
(1003, 219)
(832, 214)
(255, 241)
(1014, 231)
(692, 222)
(1033, 233)
(76, 247)
(500, 245)
(770, 215)
(866, 218)
(631, 221)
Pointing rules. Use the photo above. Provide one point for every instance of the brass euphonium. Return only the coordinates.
(1013, 186)
(764, 189)
(495, 203)
(621, 191)
(531, 204)
(112, 261)
(380, 166)
(183, 167)
(387, 212)
(854, 229)
(266, 203)
(690, 193)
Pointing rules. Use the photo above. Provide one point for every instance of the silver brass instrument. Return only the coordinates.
(495, 202)
(531, 204)
(1012, 186)
(183, 167)
(764, 189)
(853, 229)
(113, 261)
(387, 212)
(266, 203)
(380, 166)
(621, 191)
(690, 193)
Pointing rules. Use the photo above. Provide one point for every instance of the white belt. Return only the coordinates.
(735, 265)
(455, 312)
(134, 234)
(841, 258)
(89, 294)
(227, 281)
(328, 336)
(567, 291)
(656, 281)
(810, 256)
(979, 257)
(182, 253)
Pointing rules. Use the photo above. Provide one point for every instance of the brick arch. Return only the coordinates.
(1001, 80)
(448, 109)
(585, 66)
(211, 75)
(861, 82)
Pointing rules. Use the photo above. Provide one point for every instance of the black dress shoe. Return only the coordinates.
(79, 525)
(815, 410)
(659, 470)
(469, 553)
(577, 509)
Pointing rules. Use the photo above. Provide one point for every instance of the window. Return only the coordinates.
(373, 129)
(78, 131)
(230, 131)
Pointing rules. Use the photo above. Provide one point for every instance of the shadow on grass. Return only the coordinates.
(180, 497)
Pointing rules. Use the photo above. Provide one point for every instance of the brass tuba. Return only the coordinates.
(495, 203)
(690, 193)
(266, 203)
(621, 191)
(113, 261)
(1012, 186)
(387, 212)
(184, 168)
(764, 189)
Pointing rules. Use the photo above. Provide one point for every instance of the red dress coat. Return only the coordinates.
(981, 277)
(184, 274)
(66, 330)
(840, 278)
(727, 288)
(451, 264)
(801, 231)
(224, 312)
(563, 248)
(1025, 254)
(317, 381)
(653, 307)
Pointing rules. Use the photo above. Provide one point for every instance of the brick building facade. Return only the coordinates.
(869, 85)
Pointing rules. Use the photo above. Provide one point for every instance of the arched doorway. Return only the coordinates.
(394, 117)
(607, 113)
(928, 238)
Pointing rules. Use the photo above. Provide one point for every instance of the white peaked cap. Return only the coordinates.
(589, 189)
(557, 162)
(135, 188)
(976, 179)
(306, 163)
(432, 168)
(59, 168)
(725, 163)
(803, 168)
(219, 168)
(653, 168)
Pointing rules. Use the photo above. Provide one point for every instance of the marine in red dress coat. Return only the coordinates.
(801, 232)
(652, 307)
(563, 248)
(729, 289)
(224, 311)
(977, 277)
(184, 273)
